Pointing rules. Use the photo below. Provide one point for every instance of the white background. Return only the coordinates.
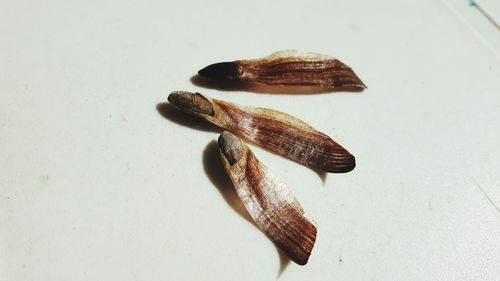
(95, 184)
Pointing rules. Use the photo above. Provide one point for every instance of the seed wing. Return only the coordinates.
(270, 203)
(285, 135)
(300, 68)
(294, 55)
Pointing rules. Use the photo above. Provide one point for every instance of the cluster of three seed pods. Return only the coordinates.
(269, 202)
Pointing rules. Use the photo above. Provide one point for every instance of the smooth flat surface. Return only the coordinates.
(95, 184)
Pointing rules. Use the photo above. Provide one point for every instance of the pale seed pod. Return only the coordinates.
(288, 68)
(268, 201)
(273, 130)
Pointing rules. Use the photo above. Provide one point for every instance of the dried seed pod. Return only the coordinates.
(275, 131)
(268, 201)
(288, 68)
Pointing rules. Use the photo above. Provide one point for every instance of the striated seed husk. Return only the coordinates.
(269, 202)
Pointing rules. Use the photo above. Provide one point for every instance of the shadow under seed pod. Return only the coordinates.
(169, 112)
(284, 261)
(215, 172)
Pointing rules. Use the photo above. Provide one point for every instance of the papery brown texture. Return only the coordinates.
(288, 68)
(268, 201)
(273, 130)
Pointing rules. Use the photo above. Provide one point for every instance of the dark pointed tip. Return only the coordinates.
(221, 71)
(361, 84)
(231, 147)
(350, 81)
(358, 83)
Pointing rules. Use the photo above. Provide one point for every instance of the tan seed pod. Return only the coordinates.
(268, 201)
(288, 68)
(273, 130)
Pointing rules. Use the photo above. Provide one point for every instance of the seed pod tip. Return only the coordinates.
(221, 71)
(231, 147)
(191, 102)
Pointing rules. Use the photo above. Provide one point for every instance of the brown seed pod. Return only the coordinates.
(268, 201)
(273, 130)
(288, 68)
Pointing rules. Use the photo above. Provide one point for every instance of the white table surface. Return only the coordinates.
(95, 184)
